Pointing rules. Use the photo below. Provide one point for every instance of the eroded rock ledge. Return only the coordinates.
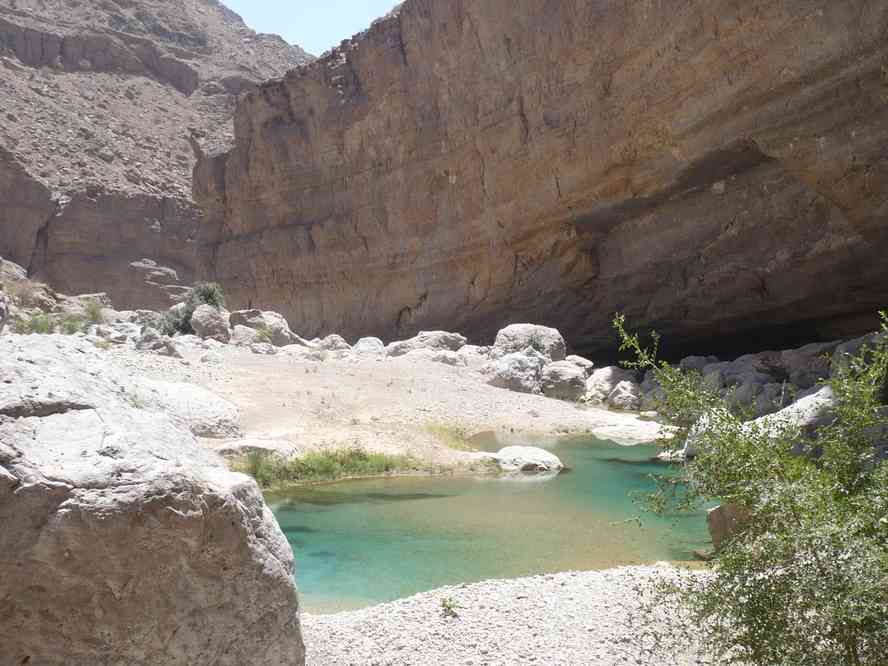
(705, 169)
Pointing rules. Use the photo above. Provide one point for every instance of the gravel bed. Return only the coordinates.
(568, 618)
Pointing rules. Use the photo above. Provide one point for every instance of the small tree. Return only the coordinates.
(804, 580)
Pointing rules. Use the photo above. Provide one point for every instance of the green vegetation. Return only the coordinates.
(72, 324)
(804, 580)
(271, 470)
(41, 324)
(93, 312)
(451, 436)
(178, 321)
(449, 607)
(263, 334)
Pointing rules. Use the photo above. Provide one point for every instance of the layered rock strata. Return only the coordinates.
(705, 169)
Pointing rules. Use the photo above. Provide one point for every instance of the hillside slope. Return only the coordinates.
(98, 102)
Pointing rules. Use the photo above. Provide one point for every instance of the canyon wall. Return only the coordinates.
(710, 169)
(99, 105)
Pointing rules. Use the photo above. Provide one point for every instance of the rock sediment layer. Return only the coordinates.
(705, 169)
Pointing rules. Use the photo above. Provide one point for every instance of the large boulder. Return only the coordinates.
(519, 371)
(151, 340)
(807, 414)
(587, 365)
(806, 366)
(723, 522)
(563, 380)
(123, 541)
(625, 396)
(603, 381)
(244, 336)
(474, 357)
(528, 459)
(373, 347)
(211, 323)
(202, 412)
(334, 343)
(437, 340)
(517, 337)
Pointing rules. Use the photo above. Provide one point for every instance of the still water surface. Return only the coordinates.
(363, 542)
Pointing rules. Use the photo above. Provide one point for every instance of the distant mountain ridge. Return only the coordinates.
(99, 102)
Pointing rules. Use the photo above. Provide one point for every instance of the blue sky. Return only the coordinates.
(315, 25)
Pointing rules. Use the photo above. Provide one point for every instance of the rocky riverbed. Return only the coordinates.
(588, 618)
(153, 411)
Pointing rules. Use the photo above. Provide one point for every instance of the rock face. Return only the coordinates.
(123, 541)
(708, 170)
(100, 102)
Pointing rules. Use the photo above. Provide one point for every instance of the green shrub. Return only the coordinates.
(178, 321)
(451, 436)
(175, 322)
(270, 470)
(41, 324)
(93, 312)
(804, 580)
(207, 293)
(263, 334)
(72, 324)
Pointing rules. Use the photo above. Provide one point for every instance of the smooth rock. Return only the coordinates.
(587, 365)
(211, 323)
(625, 396)
(369, 347)
(564, 380)
(603, 381)
(528, 459)
(204, 413)
(517, 337)
(518, 371)
(243, 336)
(334, 343)
(437, 340)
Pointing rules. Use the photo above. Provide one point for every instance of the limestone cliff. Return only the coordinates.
(98, 103)
(707, 168)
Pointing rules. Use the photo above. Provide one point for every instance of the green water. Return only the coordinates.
(364, 542)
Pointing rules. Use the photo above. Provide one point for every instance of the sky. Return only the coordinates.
(315, 25)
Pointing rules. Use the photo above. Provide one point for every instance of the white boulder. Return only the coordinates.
(369, 347)
(528, 459)
(518, 371)
(563, 380)
(437, 340)
(211, 323)
(517, 337)
(603, 381)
